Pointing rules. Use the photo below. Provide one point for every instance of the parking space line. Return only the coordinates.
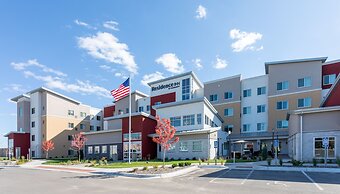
(220, 175)
(311, 180)
(251, 172)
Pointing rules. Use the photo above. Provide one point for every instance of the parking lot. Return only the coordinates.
(18, 180)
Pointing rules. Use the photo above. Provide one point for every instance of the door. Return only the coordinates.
(17, 152)
(113, 152)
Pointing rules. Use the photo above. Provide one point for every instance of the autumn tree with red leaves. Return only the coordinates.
(165, 135)
(47, 146)
(78, 142)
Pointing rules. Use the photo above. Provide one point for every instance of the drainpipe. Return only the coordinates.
(301, 126)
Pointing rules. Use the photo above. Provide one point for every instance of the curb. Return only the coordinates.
(332, 170)
(213, 166)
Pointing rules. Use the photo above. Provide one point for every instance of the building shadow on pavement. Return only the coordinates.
(94, 176)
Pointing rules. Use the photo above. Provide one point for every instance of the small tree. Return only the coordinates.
(165, 135)
(47, 146)
(78, 142)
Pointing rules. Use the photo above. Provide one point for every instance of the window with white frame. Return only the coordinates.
(90, 150)
(304, 102)
(228, 95)
(71, 112)
(199, 119)
(140, 109)
(134, 136)
(197, 146)
(329, 79)
(104, 149)
(183, 146)
(186, 89)
(70, 125)
(247, 93)
(228, 112)
(246, 127)
(261, 108)
(213, 97)
(147, 107)
(96, 149)
(282, 124)
(82, 114)
(175, 121)
(246, 110)
(261, 90)
(319, 151)
(261, 126)
(188, 120)
(282, 105)
(304, 82)
(282, 85)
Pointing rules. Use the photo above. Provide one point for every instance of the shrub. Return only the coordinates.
(281, 162)
(315, 162)
(215, 161)
(145, 168)
(222, 162)
(264, 153)
(269, 161)
(187, 163)
(194, 158)
(208, 162)
(338, 161)
(181, 164)
(135, 170)
(199, 161)
(155, 167)
(174, 165)
(297, 163)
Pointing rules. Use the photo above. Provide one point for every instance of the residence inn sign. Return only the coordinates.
(166, 86)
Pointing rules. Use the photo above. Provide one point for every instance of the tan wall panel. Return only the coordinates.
(234, 120)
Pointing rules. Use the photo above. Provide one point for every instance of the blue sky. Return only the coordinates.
(83, 49)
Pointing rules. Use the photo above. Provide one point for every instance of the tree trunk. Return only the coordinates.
(164, 157)
(79, 155)
(46, 155)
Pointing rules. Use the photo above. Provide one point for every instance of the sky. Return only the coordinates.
(84, 49)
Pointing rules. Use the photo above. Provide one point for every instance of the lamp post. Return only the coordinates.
(229, 133)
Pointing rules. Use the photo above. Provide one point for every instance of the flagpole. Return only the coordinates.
(130, 119)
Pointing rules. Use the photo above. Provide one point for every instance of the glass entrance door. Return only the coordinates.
(113, 152)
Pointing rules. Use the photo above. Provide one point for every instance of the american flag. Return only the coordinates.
(122, 91)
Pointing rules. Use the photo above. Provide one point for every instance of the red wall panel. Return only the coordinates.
(109, 111)
(334, 97)
(333, 68)
(164, 98)
(21, 140)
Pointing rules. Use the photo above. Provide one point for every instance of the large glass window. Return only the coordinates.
(183, 146)
(282, 85)
(304, 102)
(104, 149)
(246, 110)
(186, 89)
(175, 121)
(247, 93)
(96, 149)
(213, 97)
(199, 119)
(282, 124)
(319, 150)
(305, 82)
(329, 79)
(261, 90)
(90, 150)
(228, 95)
(228, 112)
(188, 120)
(136, 150)
(282, 105)
(20, 112)
(134, 136)
(196, 146)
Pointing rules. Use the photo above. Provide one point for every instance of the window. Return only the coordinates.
(104, 149)
(91, 127)
(282, 85)
(120, 112)
(96, 149)
(140, 109)
(247, 93)
(304, 102)
(282, 124)
(319, 151)
(183, 146)
(71, 112)
(261, 90)
(148, 108)
(260, 126)
(261, 108)
(69, 137)
(82, 114)
(70, 152)
(246, 127)
(186, 89)
(282, 105)
(33, 137)
(33, 111)
(228, 112)
(20, 112)
(134, 136)
(90, 150)
(98, 118)
(188, 120)
(136, 148)
(33, 153)
(246, 110)
(70, 125)
(213, 97)
(175, 121)
(98, 128)
(329, 79)
(304, 82)
(229, 128)
(158, 103)
(228, 95)
(199, 119)
(196, 146)
(82, 126)
(33, 124)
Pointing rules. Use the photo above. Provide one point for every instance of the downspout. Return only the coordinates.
(301, 126)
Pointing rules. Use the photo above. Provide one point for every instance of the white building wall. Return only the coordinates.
(144, 102)
(253, 101)
(36, 131)
(94, 122)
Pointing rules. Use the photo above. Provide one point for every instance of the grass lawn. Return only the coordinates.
(141, 164)
(58, 161)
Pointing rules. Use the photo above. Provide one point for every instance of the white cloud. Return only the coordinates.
(34, 62)
(80, 23)
(201, 12)
(14, 88)
(107, 47)
(220, 63)
(151, 77)
(121, 75)
(244, 40)
(112, 25)
(198, 64)
(171, 63)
